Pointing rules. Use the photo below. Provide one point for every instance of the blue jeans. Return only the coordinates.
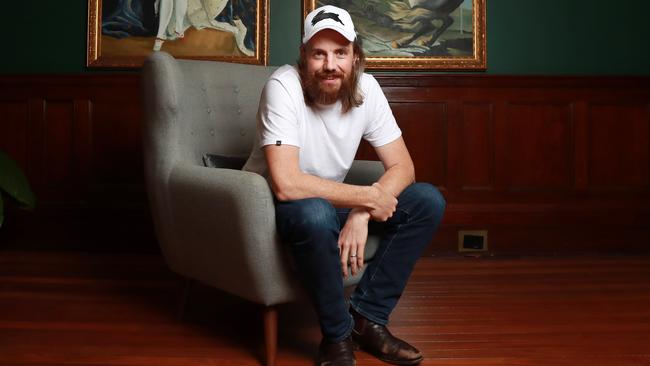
(311, 228)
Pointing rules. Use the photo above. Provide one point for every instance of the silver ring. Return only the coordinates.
(353, 256)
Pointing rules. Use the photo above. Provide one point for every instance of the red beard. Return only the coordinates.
(323, 94)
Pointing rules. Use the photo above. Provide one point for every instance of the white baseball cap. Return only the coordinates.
(329, 17)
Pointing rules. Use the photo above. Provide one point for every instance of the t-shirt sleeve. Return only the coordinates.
(277, 117)
(381, 128)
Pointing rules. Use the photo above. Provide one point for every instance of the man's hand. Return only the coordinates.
(383, 203)
(352, 240)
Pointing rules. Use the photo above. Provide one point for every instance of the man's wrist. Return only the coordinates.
(360, 213)
(372, 192)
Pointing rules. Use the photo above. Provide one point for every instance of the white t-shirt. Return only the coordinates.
(328, 139)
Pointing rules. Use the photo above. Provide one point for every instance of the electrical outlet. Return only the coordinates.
(472, 240)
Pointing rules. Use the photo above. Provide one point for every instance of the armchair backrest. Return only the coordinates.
(202, 106)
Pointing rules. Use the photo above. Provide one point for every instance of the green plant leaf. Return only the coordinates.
(14, 183)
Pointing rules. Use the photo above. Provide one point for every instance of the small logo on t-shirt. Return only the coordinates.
(278, 143)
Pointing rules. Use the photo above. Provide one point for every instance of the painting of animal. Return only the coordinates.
(399, 31)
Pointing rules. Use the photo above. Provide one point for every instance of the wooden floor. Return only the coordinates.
(82, 309)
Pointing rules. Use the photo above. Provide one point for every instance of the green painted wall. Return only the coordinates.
(524, 36)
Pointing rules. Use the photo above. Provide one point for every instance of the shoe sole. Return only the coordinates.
(416, 361)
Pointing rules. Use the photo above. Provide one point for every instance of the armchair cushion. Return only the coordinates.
(225, 162)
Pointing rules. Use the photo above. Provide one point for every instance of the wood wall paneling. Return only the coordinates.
(580, 145)
(57, 158)
(472, 144)
(619, 146)
(116, 155)
(537, 147)
(13, 129)
(83, 144)
(424, 128)
(78, 139)
(546, 164)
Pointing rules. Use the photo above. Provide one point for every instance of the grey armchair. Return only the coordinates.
(217, 225)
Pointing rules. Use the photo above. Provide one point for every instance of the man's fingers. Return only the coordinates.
(357, 265)
(353, 265)
(357, 262)
(353, 259)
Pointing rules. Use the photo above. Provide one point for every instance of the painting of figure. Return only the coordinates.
(129, 30)
(418, 33)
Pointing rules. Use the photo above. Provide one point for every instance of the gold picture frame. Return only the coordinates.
(122, 33)
(399, 34)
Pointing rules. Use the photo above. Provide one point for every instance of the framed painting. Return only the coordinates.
(121, 33)
(417, 34)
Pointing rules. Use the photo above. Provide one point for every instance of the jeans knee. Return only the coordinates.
(306, 218)
(316, 214)
(430, 201)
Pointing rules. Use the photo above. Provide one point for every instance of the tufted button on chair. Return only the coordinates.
(217, 225)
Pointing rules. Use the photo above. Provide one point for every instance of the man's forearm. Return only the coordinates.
(302, 185)
(396, 179)
(289, 183)
(393, 181)
(400, 172)
(375, 199)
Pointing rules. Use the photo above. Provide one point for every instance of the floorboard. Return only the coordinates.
(119, 310)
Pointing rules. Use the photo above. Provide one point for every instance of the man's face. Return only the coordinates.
(329, 59)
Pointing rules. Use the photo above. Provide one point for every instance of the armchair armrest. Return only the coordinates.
(364, 172)
(224, 225)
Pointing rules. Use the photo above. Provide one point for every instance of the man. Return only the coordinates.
(311, 119)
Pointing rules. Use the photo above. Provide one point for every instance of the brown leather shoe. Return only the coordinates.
(336, 354)
(377, 340)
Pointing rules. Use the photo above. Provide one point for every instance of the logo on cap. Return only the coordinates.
(339, 21)
(322, 15)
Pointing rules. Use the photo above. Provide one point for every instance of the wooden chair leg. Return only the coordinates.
(186, 290)
(271, 334)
